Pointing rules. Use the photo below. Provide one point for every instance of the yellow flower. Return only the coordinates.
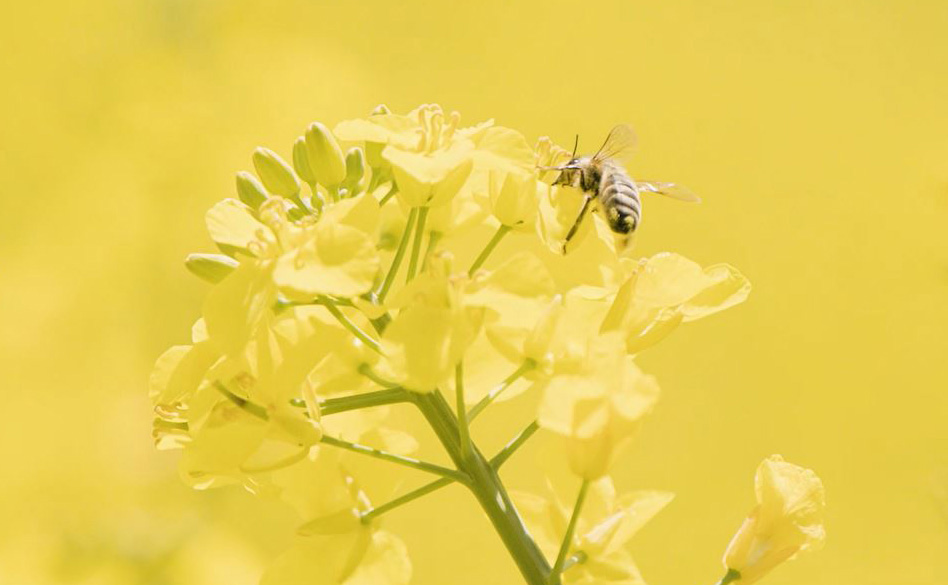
(607, 524)
(599, 407)
(335, 547)
(433, 329)
(787, 520)
(666, 290)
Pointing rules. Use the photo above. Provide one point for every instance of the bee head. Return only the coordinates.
(569, 175)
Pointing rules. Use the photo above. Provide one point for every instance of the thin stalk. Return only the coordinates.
(399, 255)
(510, 448)
(348, 324)
(463, 430)
(484, 402)
(366, 400)
(498, 236)
(568, 537)
(393, 458)
(433, 239)
(416, 245)
(411, 496)
(391, 193)
(366, 370)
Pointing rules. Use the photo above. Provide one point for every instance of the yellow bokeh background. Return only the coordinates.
(816, 132)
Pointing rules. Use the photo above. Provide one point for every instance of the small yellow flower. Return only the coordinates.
(787, 520)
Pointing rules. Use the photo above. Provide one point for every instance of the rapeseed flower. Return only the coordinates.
(405, 260)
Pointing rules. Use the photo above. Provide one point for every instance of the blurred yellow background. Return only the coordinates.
(817, 133)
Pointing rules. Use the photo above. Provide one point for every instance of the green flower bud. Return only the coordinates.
(250, 190)
(277, 176)
(355, 169)
(301, 162)
(324, 155)
(210, 267)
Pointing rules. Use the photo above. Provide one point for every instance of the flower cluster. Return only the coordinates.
(423, 263)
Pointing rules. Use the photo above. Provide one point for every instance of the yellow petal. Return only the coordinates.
(339, 260)
(232, 225)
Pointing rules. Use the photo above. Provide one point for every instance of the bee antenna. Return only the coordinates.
(575, 146)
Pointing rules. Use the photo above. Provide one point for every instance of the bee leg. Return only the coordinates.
(575, 227)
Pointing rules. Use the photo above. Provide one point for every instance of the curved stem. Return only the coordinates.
(485, 253)
(399, 255)
(463, 430)
(348, 324)
(568, 537)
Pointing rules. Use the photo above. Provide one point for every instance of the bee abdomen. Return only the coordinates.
(620, 200)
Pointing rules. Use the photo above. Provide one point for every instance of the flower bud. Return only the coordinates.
(513, 200)
(250, 190)
(210, 267)
(355, 169)
(277, 176)
(380, 110)
(788, 519)
(324, 155)
(301, 162)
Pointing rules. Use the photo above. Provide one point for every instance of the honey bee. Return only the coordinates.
(602, 178)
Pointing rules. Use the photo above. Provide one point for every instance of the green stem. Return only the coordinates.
(495, 462)
(411, 496)
(464, 431)
(391, 193)
(366, 400)
(416, 245)
(348, 324)
(484, 402)
(510, 448)
(433, 239)
(366, 370)
(498, 236)
(391, 457)
(729, 577)
(399, 255)
(486, 486)
(568, 537)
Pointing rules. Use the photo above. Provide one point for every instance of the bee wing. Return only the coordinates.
(619, 144)
(673, 190)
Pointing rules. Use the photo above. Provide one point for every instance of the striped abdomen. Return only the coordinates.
(619, 199)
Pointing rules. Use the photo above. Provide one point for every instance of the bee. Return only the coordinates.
(602, 178)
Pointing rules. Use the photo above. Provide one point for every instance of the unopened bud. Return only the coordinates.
(250, 190)
(210, 267)
(380, 110)
(301, 162)
(355, 169)
(324, 155)
(277, 176)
